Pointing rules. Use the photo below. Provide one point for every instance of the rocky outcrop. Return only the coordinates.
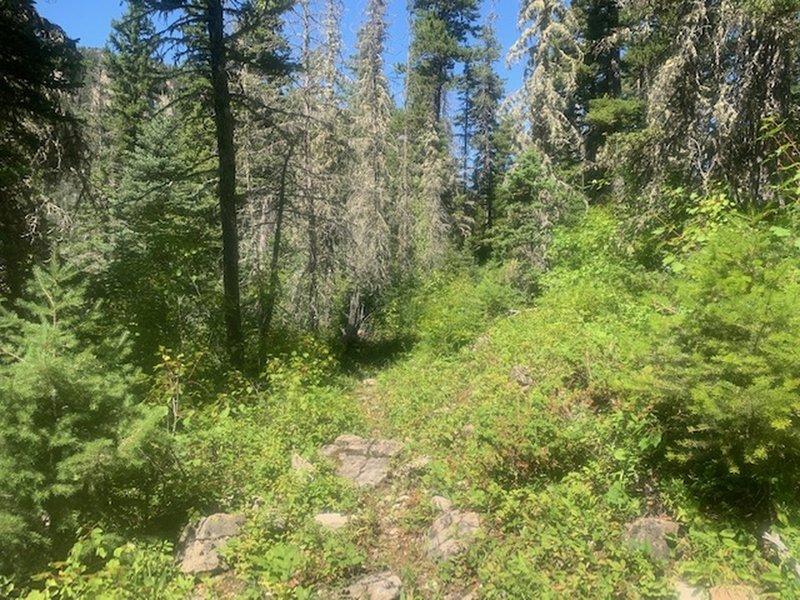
(651, 534)
(382, 586)
(451, 534)
(363, 461)
(198, 545)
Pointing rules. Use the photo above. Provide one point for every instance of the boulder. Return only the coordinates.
(651, 534)
(332, 521)
(451, 534)
(198, 545)
(381, 586)
(365, 462)
(685, 591)
(733, 592)
(441, 504)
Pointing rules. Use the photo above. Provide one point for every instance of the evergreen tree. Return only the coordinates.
(441, 29)
(553, 59)
(712, 72)
(162, 263)
(600, 83)
(39, 138)
(70, 422)
(369, 205)
(133, 69)
(483, 113)
(205, 31)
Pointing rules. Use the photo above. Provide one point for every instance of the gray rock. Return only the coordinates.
(685, 591)
(199, 545)
(522, 377)
(733, 592)
(332, 521)
(364, 462)
(382, 586)
(441, 503)
(651, 535)
(414, 468)
(451, 534)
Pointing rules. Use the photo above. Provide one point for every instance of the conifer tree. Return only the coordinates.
(440, 30)
(134, 72)
(204, 28)
(369, 206)
(714, 71)
(553, 60)
(70, 419)
(39, 138)
(484, 109)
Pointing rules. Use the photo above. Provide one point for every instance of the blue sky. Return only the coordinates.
(90, 22)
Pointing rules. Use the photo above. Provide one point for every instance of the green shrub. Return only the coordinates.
(727, 368)
(458, 308)
(98, 566)
(237, 448)
(74, 445)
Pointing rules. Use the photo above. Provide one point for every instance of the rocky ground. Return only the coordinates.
(388, 477)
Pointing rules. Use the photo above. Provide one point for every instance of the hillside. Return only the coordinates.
(533, 430)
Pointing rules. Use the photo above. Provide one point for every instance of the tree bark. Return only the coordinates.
(223, 120)
(268, 305)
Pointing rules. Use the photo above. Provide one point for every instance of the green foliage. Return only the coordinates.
(531, 202)
(99, 566)
(237, 448)
(726, 370)
(614, 115)
(41, 141)
(73, 443)
(564, 542)
(456, 309)
(162, 276)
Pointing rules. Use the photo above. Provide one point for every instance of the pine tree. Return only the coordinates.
(441, 29)
(68, 405)
(369, 206)
(163, 259)
(133, 69)
(484, 109)
(712, 71)
(601, 80)
(553, 60)
(209, 43)
(39, 138)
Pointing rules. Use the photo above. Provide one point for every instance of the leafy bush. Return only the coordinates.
(237, 448)
(456, 309)
(727, 371)
(99, 566)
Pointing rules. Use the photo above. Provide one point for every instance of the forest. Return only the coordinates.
(280, 318)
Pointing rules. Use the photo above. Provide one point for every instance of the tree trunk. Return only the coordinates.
(269, 302)
(223, 120)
